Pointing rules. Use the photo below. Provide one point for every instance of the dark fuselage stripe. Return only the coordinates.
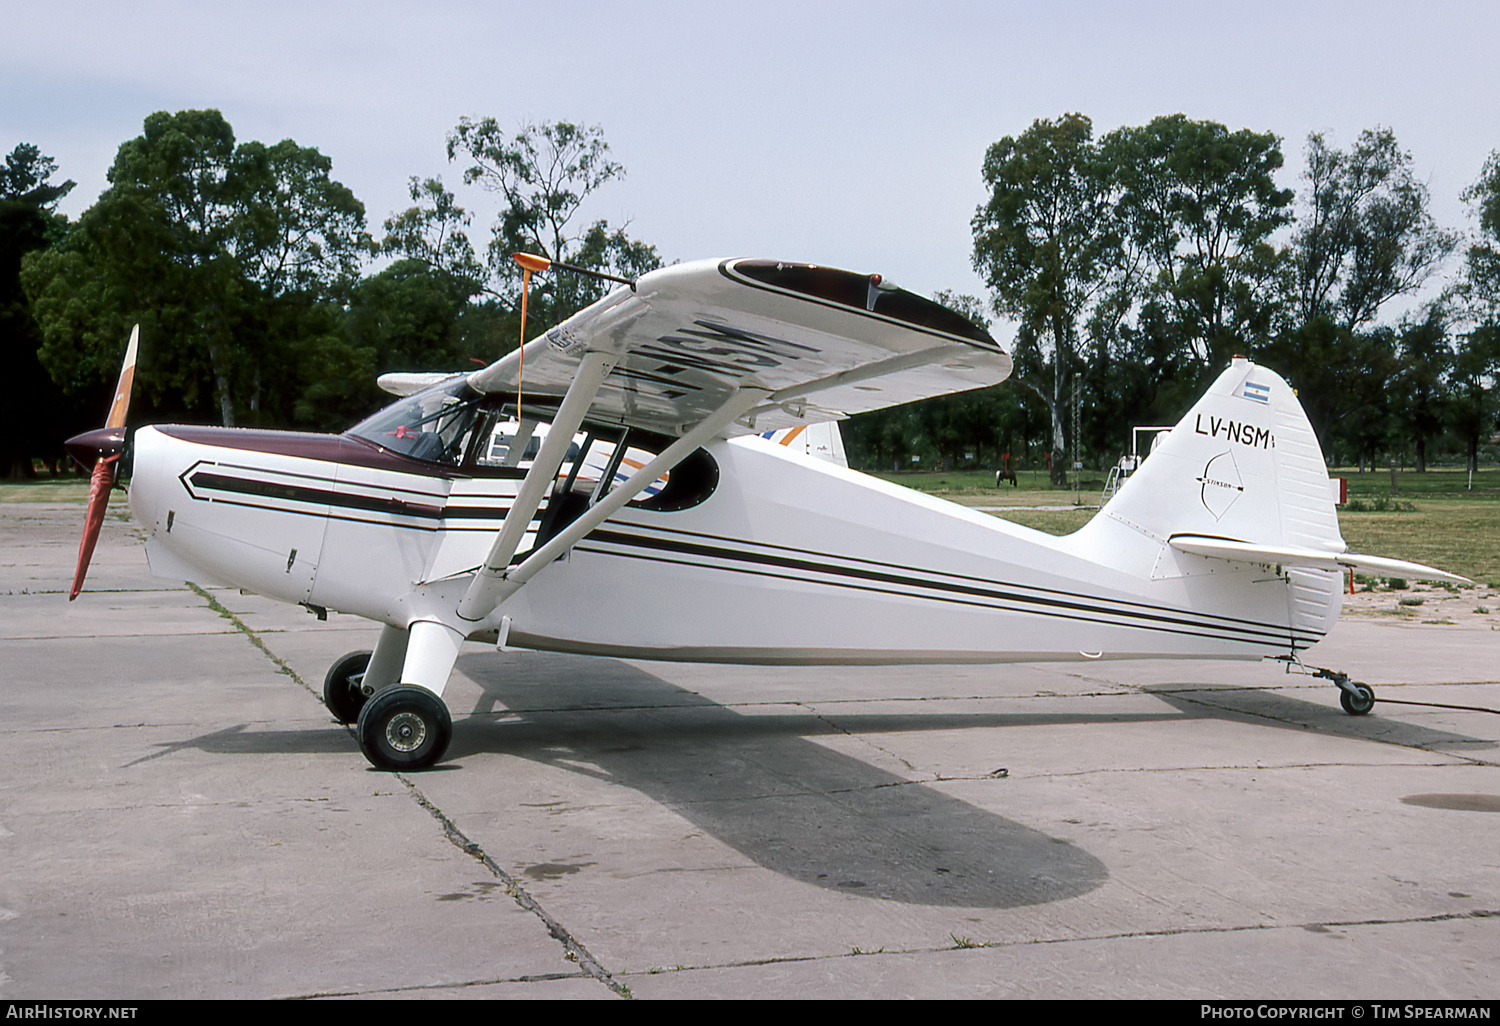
(261, 494)
(1229, 622)
(1101, 616)
(1078, 608)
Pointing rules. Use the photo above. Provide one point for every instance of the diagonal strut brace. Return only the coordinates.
(480, 602)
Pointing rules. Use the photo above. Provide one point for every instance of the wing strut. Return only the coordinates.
(592, 371)
(492, 588)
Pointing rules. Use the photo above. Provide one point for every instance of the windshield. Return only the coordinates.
(434, 425)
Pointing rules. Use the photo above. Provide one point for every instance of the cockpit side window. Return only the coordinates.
(435, 425)
(453, 425)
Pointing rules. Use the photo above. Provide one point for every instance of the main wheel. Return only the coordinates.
(1357, 706)
(342, 686)
(404, 728)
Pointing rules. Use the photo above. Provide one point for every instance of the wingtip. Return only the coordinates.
(1385, 567)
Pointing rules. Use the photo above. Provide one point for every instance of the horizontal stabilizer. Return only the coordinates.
(1246, 552)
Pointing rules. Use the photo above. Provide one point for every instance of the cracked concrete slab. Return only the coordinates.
(181, 818)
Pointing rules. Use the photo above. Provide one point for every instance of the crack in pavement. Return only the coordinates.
(969, 944)
(576, 952)
(573, 948)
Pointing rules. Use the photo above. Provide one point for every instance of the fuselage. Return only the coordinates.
(759, 555)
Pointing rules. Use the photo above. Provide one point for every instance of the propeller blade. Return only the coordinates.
(100, 484)
(106, 445)
(121, 403)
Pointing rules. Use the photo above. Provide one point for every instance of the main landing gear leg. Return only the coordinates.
(387, 659)
(1356, 698)
(407, 726)
(355, 677)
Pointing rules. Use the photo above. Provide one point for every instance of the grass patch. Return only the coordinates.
(1032, 488)
(45, 490)
(1057, 522)
(1448, 482)
(1380, 504)
(1461, 535)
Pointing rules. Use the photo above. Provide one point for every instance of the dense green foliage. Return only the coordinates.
(233, 258)
(31, 405)
(1132, 265)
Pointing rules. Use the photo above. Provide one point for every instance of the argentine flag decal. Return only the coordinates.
(1260, 393)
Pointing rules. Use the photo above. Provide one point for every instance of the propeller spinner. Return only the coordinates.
(104, 447)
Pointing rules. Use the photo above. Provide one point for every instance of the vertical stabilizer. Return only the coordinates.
(1243, 465)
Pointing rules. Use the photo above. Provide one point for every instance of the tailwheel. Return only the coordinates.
(343, 690)
(1359, 701)
(1356, 698)
(404, 728)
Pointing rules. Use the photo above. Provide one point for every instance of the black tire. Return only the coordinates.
(1357, 706)
(404, 728)
(341, 686)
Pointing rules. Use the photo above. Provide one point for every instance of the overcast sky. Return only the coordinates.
(841, 133)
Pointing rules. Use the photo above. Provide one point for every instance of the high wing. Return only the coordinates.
(717, 348)
(821, 343)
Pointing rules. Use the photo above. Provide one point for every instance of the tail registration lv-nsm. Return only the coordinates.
(605, 489)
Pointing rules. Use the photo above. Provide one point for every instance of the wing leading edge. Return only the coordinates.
(823, 344)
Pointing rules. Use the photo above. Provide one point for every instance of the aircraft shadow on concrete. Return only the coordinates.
(798, 808)
(240, 740)
(1269, 707)
(758, 785)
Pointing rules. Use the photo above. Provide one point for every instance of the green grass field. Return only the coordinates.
(45, 490)
(1434, 518)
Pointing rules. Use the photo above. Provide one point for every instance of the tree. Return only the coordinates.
(227, 255)
(30, 404)
(544, 174)
(434, 233)
(1343, 378)
(1476, 368)
(1475, 405)
(294, 229)
(1482, 268)
(1366, 236)
(1420, 384)
(25, 175)
(1201, 203)
(1048, 246)
(413, 317)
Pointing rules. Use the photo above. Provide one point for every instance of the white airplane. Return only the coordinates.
(431, 519)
